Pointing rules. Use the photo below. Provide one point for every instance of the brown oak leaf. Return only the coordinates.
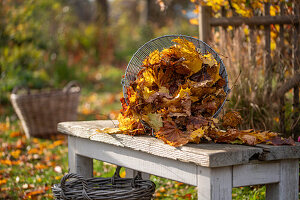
(232, 119)
(172, 135)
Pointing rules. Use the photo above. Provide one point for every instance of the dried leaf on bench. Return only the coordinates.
(281, 141)
(172, 135)
(232, 119)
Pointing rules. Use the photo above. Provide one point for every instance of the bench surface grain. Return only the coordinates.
(206, 155)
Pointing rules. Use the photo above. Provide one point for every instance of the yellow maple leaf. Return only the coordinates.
(197, 135)
(153, 58)
(187, 50)
(126, 123)
(148, 78)
(147, 93)
(133, 98)
(209, 59)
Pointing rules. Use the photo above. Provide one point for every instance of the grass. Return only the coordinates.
(29, 167)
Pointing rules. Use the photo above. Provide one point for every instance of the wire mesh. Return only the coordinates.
(163, 42)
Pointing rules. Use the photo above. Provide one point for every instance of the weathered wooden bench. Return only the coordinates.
(214, 168)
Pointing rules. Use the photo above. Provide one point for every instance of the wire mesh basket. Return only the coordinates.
(104, 188)
(160, 43)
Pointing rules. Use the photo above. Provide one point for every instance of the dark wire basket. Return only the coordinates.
(160, 43)
(113, 188)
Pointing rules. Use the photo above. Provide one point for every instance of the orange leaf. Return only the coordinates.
(10, 162)
(36, 192)
(39, 166)
(34, 151)
(3, 181)
(15, 134)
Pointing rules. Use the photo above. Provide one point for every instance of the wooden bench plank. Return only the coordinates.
(271, 152)
(207, 155)
(261, 173)
(137, 160)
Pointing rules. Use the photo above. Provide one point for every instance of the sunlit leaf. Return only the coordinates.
(197, 135)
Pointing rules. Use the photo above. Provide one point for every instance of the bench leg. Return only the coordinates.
(130, 173)
(214, 183)
(78, 164)
(287, 188)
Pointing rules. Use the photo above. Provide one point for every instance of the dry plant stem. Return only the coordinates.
(282, 67)
(296, 104)
(268, 61)
(237, 78)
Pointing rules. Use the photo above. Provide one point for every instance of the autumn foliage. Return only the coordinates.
(174, 97)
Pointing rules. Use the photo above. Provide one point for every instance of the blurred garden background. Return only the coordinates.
(46, 44)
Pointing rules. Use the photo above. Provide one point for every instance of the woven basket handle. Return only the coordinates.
(74, 176)
(18, 88)
(71, 84)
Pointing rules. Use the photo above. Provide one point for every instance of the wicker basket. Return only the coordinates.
(103, 188)
(40, 112)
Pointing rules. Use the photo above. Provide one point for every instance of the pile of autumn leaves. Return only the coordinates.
(174, 97)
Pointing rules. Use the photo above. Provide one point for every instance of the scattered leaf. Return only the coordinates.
(15, 134)
(16, 153)
(2, 181)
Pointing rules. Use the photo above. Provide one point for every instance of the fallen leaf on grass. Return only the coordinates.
(20, 143)
(35, 151)
(58, 177)
(10, 162)
(4, 127)
(39, 166)
(4, 189)
(30, 194)
(188, 196)
(3, 181)
(15, 134)
(16, 154)
(55, 144)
